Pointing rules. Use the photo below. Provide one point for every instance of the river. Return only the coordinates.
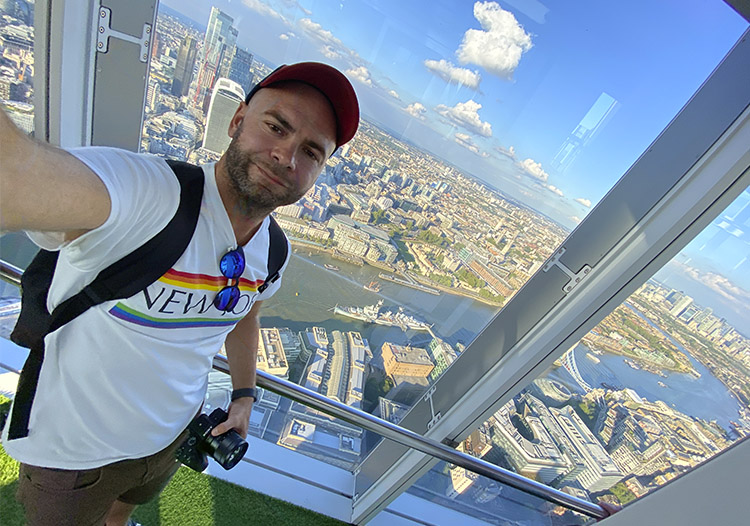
(705, 397)
(310, 291)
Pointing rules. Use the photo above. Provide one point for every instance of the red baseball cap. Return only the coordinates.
(331, 83)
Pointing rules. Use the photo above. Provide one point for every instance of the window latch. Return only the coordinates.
(435, 416)
(104, 33)
(575, 278)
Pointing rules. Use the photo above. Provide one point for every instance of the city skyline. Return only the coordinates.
(558, 164)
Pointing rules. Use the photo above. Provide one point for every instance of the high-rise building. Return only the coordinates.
(218, 50)
(406, 361)
(183, 71)
(152, 95)
(270, 356)
(240, 68)
(224, 101)
(681, 305)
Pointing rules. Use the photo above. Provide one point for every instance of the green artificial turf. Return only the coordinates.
(191, 499)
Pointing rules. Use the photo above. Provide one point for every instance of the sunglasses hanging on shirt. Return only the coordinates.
(232, 265)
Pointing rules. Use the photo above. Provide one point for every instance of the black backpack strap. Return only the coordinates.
(148, 263)
(278, 250)
(122, 279)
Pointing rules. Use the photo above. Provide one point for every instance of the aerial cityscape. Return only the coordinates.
(618, 415)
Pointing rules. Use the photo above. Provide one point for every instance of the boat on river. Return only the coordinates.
(331, 267)
(381, 316)
(632, 364)
(592, 358)
(373, 286)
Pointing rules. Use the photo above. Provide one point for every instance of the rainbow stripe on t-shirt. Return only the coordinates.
(199, 291)
(186, 280)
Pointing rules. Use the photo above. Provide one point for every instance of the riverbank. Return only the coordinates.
(301, 244)
(642, 362)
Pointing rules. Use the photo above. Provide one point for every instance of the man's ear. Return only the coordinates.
(236, 121)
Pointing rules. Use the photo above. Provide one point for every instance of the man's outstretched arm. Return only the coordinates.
(47, 189)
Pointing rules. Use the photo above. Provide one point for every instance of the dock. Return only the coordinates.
(409, 282)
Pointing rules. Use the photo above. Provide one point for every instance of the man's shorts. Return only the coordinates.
(62, 497)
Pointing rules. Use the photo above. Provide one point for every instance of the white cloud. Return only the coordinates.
(509, 152)
(576, 219)
(393, 94)
(719, 284)
(465, 115)
(465, 140)
(330, 52)
(330, 46)
(453, 74)
(360, 74)
(499, 46)
(555, 190)
(416, 110)
(534, 169)
(285, 36)
(263, 9)
(293, 4)
(585, 202)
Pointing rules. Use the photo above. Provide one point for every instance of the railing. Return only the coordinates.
(10, 273)
(386, 429)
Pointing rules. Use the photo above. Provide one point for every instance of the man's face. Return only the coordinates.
(280, 143)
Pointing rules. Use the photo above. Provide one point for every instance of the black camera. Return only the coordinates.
(227, 449)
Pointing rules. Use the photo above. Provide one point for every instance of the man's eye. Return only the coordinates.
(274, 128)
(312, 154)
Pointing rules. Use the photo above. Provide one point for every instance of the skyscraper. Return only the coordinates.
(218, 50)
(183, 71)
(240, 69)
(681, 305)
(224, 101)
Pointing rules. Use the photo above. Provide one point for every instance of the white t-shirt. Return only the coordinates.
(126, 377)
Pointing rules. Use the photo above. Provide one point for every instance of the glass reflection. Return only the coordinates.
(484, 499)
(293, 425)
(660, 386)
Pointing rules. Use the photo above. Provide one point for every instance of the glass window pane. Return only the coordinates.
(660, 386)
(294, 426)
(482, 498)
(488, 132)
(17, 62)
(17, 95)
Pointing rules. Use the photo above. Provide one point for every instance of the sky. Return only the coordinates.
(498, 88)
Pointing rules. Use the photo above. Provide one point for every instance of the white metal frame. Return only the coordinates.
(64, 55)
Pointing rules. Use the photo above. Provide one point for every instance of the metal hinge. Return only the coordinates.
(435, 416)
(575, 279)
(105, 31)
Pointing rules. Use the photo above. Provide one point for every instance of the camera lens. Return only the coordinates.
(228, 449)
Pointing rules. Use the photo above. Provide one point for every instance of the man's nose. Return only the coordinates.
(284, 153)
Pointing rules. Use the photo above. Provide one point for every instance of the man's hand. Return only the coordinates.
(238, 419)
(610, 509)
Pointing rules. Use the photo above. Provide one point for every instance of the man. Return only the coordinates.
(120, 383)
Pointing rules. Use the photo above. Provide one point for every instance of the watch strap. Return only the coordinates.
(248, 392)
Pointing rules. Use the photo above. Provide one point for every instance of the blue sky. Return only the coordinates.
(497, 88)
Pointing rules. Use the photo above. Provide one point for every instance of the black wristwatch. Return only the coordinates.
(248, 392)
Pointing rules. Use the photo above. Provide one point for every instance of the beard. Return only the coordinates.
(253, 197)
